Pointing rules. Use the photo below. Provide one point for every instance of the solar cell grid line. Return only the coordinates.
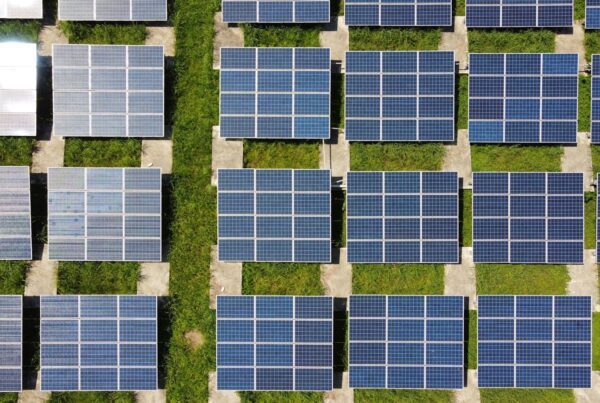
(98, 343)
(281, 11)
(519, 13)
(539, 341)
(523, 98)
(19, 9)
(406, 342)
(275, 343)
(400, 96)
(274, 215)
(528, 217)
(398, 13)
(275, 93)
(105, 214)
(402, 217)
(11, 343)
(108, 90)
(112, 10)
(15, 213)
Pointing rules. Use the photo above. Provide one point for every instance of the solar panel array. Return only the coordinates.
(275, 215)
(14, 9)
(519, 13)
(406, 342)
(18, 89)
(15, 214)
(595, 125)
(402, 217)
(104, 214)
(523, 98)
(534, 342)
(108, 90)
(272, 93)
(398, 13)
(528, 217)
(100, 343)
(274, 343)
(112, 10)
(592, 14)
(400, 96)
(281, 11)
(11, 343)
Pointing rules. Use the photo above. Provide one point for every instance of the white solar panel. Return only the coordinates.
(11, 343)
(15, 214)
(112, 10)
(18, 84)
(21, 9)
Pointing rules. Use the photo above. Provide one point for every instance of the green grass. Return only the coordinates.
(104, 34)
(277, 397)
(396, 156)
(367, 38)
(462, 99)
(595, 160)
(281, 154)
(9, 397)
(16, 150)
(97, 277)
(103, 152)
(397, 279)
(12, 277)
(399, 395)
(281, 36)
(592, 44)
(494, 279)
(459, 7)
(472, 341)
(466, 218)
(281, 279)
(585, 90)
(526, 395)
(516, 158)
(92, 397)
(596, 342)
(511, 41)
(590, 220)
(13, 30)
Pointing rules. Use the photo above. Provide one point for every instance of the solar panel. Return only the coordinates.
(109, 214)
(18, 89)
(595, 99)
(99, 343)
(15, 9)
(15, 214)
(592, 14)
(11, 343)
(519, 13)
(274, 343)
(528, 217)
(399, 96)
(274, 215)
(402, 217)
(406, 342)
(108, 90)
(398, 13)
(275, 93)
(523, 98)
(534, 341)
(281, 11)
(112, 10)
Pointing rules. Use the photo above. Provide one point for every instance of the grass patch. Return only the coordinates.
(97, 277)
(281, 35)
(396, 156)
(9, 397)
(92, 397)
(398, 279)
(371, 38)
(590, 220)
(16, 150)
(103, 152)
(526, 395)
(596, 341)
(281, 279)
(511, 41)
(595, 160)
(459, 7)
(400, 395)
(516, 158)
(281, 154)
(579, 10)
(584, 102)
(16, 30)
(12, 276)
(466, 216)
(462, 100)
(104, 34)
(592, 44)
(276, 397)
(495, 279)
(471, 344)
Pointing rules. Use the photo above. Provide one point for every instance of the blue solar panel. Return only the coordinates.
(595, 124)
(275, 93)
(98, 343)
(528, 217)
(274, 215)
(523, 98)
(592, 14)
(398, 13)
(281, 11)
(519, 13)
(402, 217)
(534, 341)
(11, 343)
(406, 342)
(399, 96)
(274, 343)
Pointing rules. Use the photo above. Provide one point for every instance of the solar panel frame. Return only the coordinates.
(494, 198)
(15, 216)
(11, 314)
(396, 92)
(108, 91)
(286, 79)
(402, 202)
(398, 13)
(92, 10)
(387, 327)
(277, 329)
(495, 129)
(282, 11)
(529, 337)
(15, 9)
(77, 197)
(491, 14)
(595, 98)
